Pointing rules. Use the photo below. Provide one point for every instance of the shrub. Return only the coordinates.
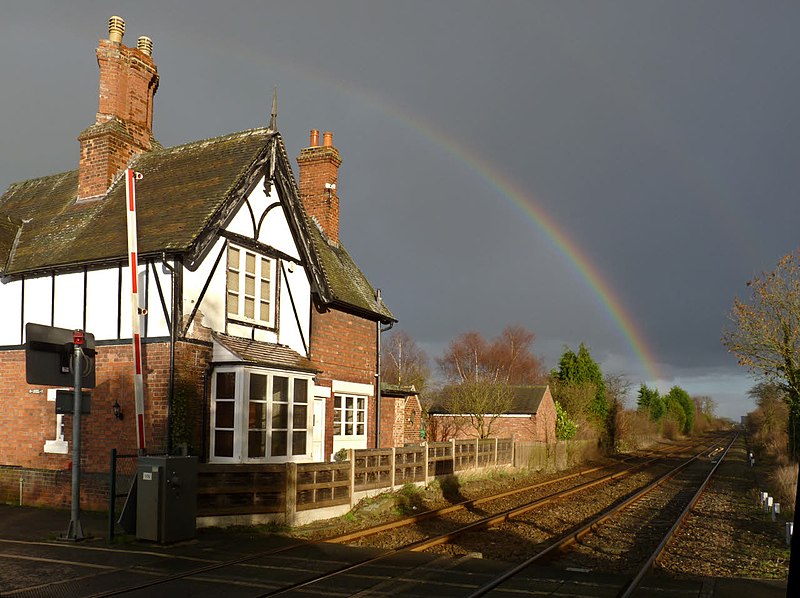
(783, 481)
(565, 427)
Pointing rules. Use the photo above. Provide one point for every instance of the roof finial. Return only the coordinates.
(273, 119)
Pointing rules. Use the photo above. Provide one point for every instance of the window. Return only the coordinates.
(350, 415)
(250, 287)
(259, 415)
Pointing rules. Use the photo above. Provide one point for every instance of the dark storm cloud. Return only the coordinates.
(660, 137)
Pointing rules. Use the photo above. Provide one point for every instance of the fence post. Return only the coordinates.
(453, 453)
(394, 456)
(427, 462)
(513, 452)
(495, 451)
(352, 457)
(477, 451)
(112, 493)
(291, 492)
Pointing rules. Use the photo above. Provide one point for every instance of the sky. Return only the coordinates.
(608, 173)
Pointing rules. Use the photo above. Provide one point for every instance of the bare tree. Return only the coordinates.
(505, 360)
(765, 335)
(404, 363)
(480, 374)
(479, 403)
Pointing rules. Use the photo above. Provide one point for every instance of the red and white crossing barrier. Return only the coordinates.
(138, 380)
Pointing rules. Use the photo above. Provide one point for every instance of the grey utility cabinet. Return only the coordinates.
(166, 498)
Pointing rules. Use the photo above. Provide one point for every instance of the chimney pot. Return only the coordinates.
(116, 29)
(145, 44)
(327, 139)
(314, 138)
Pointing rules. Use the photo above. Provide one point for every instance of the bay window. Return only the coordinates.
(260, 415)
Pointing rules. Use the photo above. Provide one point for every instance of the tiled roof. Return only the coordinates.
(345, 280)
(396, 390)
(265, 354)
(524, 400)
(183, 195)
(181, 190)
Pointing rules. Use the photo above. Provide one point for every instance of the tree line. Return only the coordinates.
(475, 378)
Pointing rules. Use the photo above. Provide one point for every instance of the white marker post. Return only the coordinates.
(138, 381)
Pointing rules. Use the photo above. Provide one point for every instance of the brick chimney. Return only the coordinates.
(319, 174)
(124, 123)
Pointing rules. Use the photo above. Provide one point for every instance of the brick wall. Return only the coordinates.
(344, 347)
(27, 420)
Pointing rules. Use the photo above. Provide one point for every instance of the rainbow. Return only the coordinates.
(589, 273)
(569, 249)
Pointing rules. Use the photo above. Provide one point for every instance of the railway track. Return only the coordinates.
(295, 568)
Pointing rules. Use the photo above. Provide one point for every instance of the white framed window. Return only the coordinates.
(260, 415)
(350, 416)
(250, 295)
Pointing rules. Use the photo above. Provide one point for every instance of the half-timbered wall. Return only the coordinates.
(259, 225)
(96, 300)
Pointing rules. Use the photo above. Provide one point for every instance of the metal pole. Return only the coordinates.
(75, 531)
(112, 495)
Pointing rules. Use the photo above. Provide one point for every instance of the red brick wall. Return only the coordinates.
(392, 412)
(28, 420)
(413, 420)
(344, 347)
(546, 419)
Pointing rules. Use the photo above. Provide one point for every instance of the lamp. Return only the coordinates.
(117, 410)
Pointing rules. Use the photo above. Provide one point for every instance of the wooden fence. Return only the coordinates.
(555, 456)
(247, 489)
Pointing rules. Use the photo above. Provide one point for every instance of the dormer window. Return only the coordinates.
(250, 287)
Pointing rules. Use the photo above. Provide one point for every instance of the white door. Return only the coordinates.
(318, 432)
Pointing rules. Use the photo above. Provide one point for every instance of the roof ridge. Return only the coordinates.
(37, 179)
(209, 140)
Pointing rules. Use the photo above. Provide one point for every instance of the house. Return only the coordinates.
(259, 332)
(530, 417)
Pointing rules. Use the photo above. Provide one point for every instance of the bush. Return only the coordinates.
(409, 500)
(565, 427)
(783, 481)
(637, 431)
(670, 427)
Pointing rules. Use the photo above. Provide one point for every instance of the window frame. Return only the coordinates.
(241, 273)
(340, 421)
(242, 415)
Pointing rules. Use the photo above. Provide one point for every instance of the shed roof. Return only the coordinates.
(265, 354)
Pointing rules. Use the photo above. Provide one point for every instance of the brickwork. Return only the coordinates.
(392, 412)
(540, 427)
(344, 347)
(28, 419)
(319, 166)
(412, 420)
(53, 488)
(124, 122)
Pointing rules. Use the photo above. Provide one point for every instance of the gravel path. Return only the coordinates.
(727, 535)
